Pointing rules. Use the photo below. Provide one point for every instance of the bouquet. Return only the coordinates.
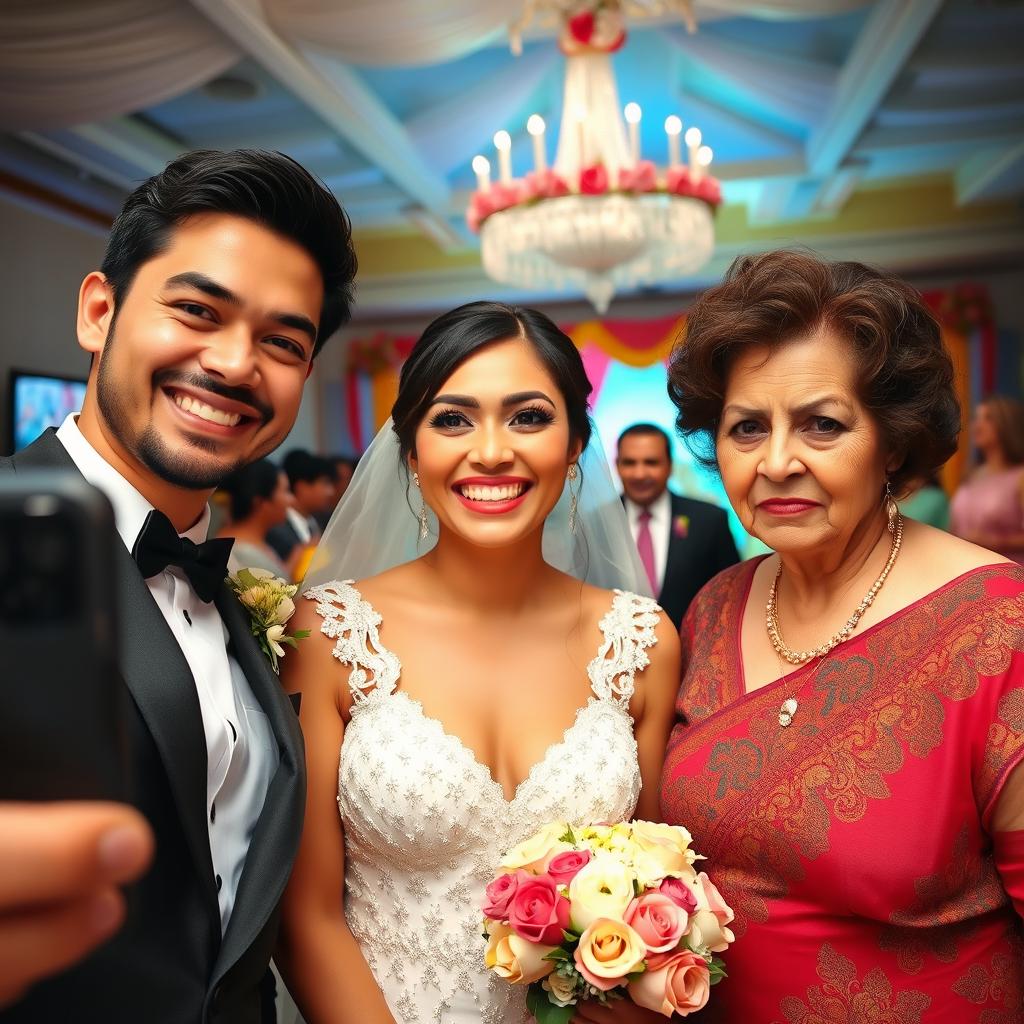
(604, 912)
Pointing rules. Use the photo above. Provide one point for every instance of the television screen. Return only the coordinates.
(38, 402)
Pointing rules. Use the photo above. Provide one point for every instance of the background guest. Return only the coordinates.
(344, 467)
(682, 542)
(928, 504)
(260, 498)
(311, 479)
(852, 767)
(989, 508)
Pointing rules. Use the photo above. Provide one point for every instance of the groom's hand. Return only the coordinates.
(60, 867)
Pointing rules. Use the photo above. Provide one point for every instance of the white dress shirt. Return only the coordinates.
(241, 752)
(661, 515)
(306, 529)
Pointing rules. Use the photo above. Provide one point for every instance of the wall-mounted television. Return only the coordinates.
(38, 401)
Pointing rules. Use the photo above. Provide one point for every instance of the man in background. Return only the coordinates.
(344, 468)
(312, 482)
(682, 542)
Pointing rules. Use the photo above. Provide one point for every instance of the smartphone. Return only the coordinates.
(62, 703)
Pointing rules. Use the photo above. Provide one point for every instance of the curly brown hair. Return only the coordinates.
(905, 373)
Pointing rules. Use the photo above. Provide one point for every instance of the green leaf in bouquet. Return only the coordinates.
(568, 837)
(571, 937)
(633, 975)
(300, 634)
(717, 970)
(558, 953)
(545, 1011)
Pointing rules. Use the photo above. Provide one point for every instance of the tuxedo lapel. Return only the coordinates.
(158, 677)
(275, 838)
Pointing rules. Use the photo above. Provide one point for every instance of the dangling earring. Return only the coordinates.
(892, 510)
(573, 498)
(424, 527)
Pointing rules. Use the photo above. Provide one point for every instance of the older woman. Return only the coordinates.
(851, 718)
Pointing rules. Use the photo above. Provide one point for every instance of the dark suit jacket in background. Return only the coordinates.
(169, 963)
(704, 552)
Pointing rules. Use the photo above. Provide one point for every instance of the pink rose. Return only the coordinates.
(680, 894)
(564, 867)
(673, 983)
(641, 178)
(658, 920)
(545, 184)
(538, 912)
(499, 895)
(712, 917)
(709, 190)
(594, 180)
(497, 197)
(678, 182)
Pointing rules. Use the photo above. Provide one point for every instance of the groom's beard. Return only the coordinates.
(147, 446)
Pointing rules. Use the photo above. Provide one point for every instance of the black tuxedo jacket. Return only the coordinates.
(169, 963)
(283, 539)
(694, 558)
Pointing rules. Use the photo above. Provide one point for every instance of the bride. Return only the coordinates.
(476, 691)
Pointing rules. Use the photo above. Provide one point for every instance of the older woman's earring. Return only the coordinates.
(573, 498)
(424, 527)
(892, 510)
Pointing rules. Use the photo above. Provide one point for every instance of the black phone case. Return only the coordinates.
(62, 704)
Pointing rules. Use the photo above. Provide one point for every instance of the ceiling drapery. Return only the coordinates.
(64, 62)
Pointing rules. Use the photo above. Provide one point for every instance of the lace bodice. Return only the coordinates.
(426, 824)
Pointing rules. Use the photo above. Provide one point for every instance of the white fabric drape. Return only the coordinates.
(404, 32)
(64, 62)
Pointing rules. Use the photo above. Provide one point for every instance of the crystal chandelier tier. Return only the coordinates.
(601, 219)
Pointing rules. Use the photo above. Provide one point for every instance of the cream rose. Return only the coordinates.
(274, 634)
(517, 961)
(608, 950)
(534, 854)
(285, 610)
(562, 990)
(708, 923)
(668, 845)
(601, 888)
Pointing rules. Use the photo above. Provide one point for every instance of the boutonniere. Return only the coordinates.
(681, 526)
(268, 600)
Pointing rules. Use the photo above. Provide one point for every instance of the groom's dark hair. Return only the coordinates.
(268, 188)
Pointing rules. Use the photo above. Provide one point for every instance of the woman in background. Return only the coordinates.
(849, 746)
(928, 504)
(988, 509)
(259, 497)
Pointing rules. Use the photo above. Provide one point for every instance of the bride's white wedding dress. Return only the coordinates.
(426, 824)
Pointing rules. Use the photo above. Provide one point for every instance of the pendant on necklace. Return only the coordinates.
(787, 711)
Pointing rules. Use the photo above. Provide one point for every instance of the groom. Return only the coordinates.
(223, 276)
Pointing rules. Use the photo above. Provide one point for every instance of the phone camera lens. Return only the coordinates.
(45, 547)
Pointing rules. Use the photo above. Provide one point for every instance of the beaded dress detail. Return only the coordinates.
(426, 824)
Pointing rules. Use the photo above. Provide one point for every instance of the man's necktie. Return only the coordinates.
(158, 546)
(645, 546)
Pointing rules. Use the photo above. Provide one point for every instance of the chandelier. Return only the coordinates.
(601, 219)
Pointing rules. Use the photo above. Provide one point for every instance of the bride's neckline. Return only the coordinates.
(460, 744)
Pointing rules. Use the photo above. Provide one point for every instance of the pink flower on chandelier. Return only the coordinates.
(597, 26)
(545, 184)
(594, 180)
(643, 177)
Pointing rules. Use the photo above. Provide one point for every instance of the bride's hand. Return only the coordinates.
(622, 1011)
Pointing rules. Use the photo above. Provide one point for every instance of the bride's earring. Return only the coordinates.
(573, 498)
(892, 510)
(424, 527)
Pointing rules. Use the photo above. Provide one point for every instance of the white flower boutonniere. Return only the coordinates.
(268, 600)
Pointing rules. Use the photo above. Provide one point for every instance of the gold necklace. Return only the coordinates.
(772, 614)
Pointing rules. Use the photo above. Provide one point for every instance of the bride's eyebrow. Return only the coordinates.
(468, 402)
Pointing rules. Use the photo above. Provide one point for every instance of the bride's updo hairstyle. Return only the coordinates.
(454, 336)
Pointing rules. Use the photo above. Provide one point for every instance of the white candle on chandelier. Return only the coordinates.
(503, 144)
(482, 170)
(704, 155)
(580, 117)
(633, 115)
(535, 126)
(673, 126)
(693, 138)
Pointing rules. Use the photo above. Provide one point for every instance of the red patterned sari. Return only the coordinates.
(854, 845)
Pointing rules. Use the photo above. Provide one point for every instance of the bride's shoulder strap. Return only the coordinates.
(628, 630)
(353, 623)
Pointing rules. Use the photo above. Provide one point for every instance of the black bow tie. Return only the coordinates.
(158, 546)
